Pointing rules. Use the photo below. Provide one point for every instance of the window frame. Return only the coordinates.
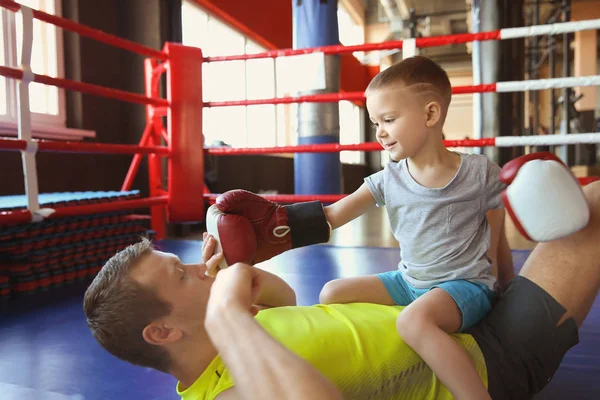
(283, 114)
(43, 125)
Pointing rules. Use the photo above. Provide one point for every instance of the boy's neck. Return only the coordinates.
(432, 156)
(434, 166)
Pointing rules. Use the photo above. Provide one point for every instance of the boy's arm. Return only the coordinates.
(499, 252)
(350, 207)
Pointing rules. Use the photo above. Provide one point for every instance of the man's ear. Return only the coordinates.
(158, 333)
(433, 113)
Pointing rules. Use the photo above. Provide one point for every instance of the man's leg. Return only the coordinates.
(569, 268)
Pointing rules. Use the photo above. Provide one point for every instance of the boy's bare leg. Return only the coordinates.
(425, 325)
(569, 268)
(362, 289)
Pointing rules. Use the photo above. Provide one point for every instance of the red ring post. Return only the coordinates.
(186, 162)
(155, 168)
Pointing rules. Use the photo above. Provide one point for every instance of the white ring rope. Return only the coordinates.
(550, 29)
(542, 84)
(548, 140)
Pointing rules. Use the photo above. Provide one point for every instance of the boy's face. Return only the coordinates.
(399, 115)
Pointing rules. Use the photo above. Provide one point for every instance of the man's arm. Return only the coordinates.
(261, 367)
(350, 207)
(275, 292)
(499, 252)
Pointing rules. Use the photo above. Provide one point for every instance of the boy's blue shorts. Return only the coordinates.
(473, 299)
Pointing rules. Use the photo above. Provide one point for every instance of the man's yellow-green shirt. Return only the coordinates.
(355, 345)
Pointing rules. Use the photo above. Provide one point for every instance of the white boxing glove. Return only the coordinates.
(543, 198)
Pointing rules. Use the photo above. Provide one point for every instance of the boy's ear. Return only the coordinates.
(433, 113)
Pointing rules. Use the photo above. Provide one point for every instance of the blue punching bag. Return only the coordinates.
(315, 24)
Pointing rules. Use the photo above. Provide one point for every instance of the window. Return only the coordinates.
(46, 102)
(350, 31)
(352, 129)
(252, 126)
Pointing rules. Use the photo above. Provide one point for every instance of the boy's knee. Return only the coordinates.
(411, 324)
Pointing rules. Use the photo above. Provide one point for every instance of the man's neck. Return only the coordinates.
(190, 358)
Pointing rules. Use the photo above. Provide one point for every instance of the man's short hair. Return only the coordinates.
(118, 309)
(413, 71)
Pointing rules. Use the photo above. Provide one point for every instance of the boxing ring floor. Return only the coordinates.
(47, 352)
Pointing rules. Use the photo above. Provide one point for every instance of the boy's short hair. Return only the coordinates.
(413, 71)
(118, 309)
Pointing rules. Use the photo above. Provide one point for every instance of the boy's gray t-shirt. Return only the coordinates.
(443, 232)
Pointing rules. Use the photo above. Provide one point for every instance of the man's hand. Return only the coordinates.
(235, 289)
(272, 291)
(209, 246)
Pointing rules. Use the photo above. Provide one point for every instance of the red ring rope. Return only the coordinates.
(79, 147)
(334, 97)
(289, 198)
(333, 147)
(341, 49)
(85, 87)
(304, 148)
(88, 32)
(25, 216)
(331, 198)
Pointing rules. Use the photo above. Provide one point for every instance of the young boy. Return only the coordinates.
(437, 201)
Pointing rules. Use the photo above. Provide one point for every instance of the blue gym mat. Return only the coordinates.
(48, 353)
(51, 253)
(63, 198)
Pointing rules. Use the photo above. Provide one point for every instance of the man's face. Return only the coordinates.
(184, 286)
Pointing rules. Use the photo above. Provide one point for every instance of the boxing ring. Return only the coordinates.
(52, 244)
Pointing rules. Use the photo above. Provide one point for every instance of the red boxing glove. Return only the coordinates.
(276, 228)
(239, 244)
(543, 198)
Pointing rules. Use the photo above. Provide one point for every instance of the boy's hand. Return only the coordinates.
(277, 228)
(543, 197)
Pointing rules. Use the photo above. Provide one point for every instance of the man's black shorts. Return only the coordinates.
(520, 341)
